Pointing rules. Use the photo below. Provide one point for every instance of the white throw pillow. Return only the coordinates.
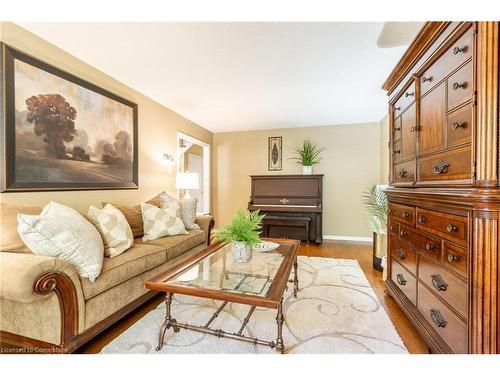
(61, 232)
(186, 209)
(160, 222)
(114, 229)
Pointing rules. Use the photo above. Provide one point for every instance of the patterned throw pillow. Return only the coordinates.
(186, 209)
(114, 229)
(167, 201)
(133, 214)
(61, 232)
(160, 222)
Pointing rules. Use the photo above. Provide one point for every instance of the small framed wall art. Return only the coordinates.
(274, 154)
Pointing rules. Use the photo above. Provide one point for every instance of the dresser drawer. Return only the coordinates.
(455, 258)
(460, 86)
(453, 57)
(459, 126)
(393, 227)
(396, 129)
(452, 227)
(447, 286)
(402, 213)
(396, 152)
(404, 280)
(428, 245)
(449, 165)
(404, 172)
(444, 321)
(404, 255)
(405, 100)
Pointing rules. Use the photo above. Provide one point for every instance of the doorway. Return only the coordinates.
(193, 155)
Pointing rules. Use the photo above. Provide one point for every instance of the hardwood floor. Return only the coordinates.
(362, 252)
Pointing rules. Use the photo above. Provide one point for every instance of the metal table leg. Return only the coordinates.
(169, 321)
(295, 277)
(280, 346)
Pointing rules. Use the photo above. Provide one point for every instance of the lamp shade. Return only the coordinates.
(187, 181)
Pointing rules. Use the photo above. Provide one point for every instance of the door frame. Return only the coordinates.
(207, 193)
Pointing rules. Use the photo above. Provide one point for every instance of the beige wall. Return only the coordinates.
(384, 150)
(158, 128)
(350, 164)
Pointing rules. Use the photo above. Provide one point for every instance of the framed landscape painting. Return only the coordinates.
(61, 132)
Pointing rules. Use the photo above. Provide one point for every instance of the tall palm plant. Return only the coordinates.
(375, 201)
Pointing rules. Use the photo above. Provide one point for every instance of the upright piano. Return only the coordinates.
(293, 205)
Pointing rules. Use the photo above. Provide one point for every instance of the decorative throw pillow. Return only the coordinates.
(160, 222)
(186, 209)
(133, 214)
(61, 232)
(114, 229)
(188, 213)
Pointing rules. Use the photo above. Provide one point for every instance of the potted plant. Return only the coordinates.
(243, 233)
(307, 156)
(375, 201)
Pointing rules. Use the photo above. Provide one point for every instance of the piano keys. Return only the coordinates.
(293, 205)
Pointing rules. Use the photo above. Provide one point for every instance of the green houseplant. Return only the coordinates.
(243, 232)
(375, 201)
(307, 156)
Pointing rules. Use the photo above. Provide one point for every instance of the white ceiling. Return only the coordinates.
(243, 76)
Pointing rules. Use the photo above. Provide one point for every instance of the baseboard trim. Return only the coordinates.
(347, 238)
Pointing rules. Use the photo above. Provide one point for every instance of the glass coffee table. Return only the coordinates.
(212, 273)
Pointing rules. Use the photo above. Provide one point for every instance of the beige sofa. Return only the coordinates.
(46, 306)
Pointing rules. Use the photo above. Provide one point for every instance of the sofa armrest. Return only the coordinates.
(29, 278)
(206, 223)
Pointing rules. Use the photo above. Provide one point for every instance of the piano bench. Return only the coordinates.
(288, 221)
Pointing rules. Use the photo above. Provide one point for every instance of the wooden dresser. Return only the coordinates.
(444, 199)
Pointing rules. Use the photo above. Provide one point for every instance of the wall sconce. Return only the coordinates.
(169, 160)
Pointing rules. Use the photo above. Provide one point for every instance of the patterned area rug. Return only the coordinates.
(336, 312)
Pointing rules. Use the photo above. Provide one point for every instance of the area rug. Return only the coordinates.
(336, 311)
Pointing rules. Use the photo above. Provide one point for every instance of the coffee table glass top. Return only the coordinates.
(218, 271)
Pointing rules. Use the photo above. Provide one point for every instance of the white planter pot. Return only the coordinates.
(307, 169)
(241, 252)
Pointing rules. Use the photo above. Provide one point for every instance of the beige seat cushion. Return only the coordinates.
(177, 245)
(136, 260)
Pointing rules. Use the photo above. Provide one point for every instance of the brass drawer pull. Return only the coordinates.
(437, 318)
(440, 167)
(396, 152)
(284, 201)
(457, 125)
(393, 227)
(457, 50)
(407, 94)
(401, 254)
(405, 215)
(415, 128)
(457, 85)
(403, 233)
(402, 173)
(453, 258)
(429, 246)
(451, 228)
(426, 79)
(401, 280)
(422, 219)
(439, 283)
